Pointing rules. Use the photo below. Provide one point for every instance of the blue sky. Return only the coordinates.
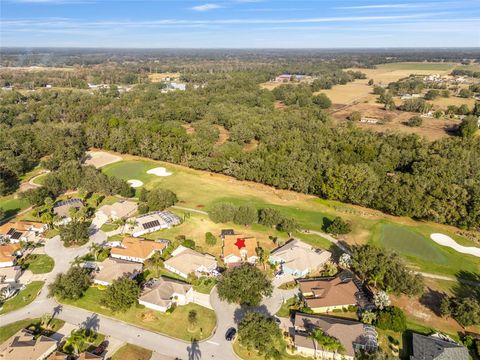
(240, 23)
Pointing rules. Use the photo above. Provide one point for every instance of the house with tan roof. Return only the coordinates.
(162, 293)
(327, 294)
(353, 335)
(21, 231)
(137, 250)
(185, 261)
(238, 249)
(24, 346)
(119, 210)
(298, 259)
(8, 254)
(110, 270)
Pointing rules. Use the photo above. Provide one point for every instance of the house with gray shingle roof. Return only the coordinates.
(437, 347)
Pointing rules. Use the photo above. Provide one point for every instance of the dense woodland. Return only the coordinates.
(295, 148)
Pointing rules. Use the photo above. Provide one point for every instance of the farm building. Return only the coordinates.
(297, 258)
(283, 77)
(238, 249)
(353, 335)
(186, 261)
(154, 221)
(161, 294)
(137, 250)
(113, 269)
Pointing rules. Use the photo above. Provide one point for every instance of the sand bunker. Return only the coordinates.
(446, 240)
(135, 183)
(159, 171)
(100, 158)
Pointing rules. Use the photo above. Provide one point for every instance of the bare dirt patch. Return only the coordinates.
(189, 128)
(251, 146)
(223, 135)
(279, 105)
(158, 77)
(100, 158)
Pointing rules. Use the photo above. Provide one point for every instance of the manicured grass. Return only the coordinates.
(9, 330)
(200, 190)
(205, 285)
(109, 227)
(417, 66)
(285, 309)
(50, 233)
(12, 206)
(423, 252)
(174, 324)
(39, 263)
(23, 298)
(132, 352)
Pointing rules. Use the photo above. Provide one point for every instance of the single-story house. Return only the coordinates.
(21, 231)
(154, 221)
(298, 259)
(57, 355)
(238, 249)
(8, 254)
(62, 209)
(137, 250)
(437, 347)
(327, 294)
(88, 356)
(161, 294)
(353, 335)
(113, 269)
(24, 346)
(116, 211)
(185, 261)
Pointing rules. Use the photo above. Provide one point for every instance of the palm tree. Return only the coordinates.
(263, 256)
(76, 340)
(375, 278)
(95, 249)
(157, 262)
(326, 342)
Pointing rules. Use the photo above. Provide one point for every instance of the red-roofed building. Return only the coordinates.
(238, 249)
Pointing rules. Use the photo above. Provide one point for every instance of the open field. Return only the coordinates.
(158, 77)
(23, 298)
(418, 66)
(200, 189)
(355, 91)
(431, 128)
(174, 324)
(132, 352)
(443, 102)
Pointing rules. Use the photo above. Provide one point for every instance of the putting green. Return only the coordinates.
(411, 243)
(131, 169)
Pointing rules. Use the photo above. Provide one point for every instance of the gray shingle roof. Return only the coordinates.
(434, 348)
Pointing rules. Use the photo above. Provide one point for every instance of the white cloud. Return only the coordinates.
(206, 7)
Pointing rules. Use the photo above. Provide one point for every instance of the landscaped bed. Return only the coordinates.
(174, 324)
(23, 298)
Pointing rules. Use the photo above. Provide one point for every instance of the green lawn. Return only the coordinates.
(12, 206)
(109, 227)
(174, 324)
(244, 353)
(205, 285)
(285, 309)
(23, 298)
(200, 190)
(423, 252)
(132, 352)
(11, 329)
(417, 66)
(39, 263)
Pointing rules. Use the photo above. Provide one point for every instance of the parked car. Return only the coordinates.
(101, 348)
(230, 334)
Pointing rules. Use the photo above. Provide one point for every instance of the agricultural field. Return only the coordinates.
(199, 190)
(158, 77)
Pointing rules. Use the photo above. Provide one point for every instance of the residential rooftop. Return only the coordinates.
(137, 248)
(161, 291)
(298, 255)
(329, 292)
(113, 269)
(24, 346)
(238, 244)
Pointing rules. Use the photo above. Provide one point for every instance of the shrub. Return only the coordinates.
(189, 243)
(415, 121)
(338, 227)
(222, 212)
(392, 318)
(355, 116)
(210, 239)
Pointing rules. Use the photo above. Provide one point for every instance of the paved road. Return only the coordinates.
(214, 348)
